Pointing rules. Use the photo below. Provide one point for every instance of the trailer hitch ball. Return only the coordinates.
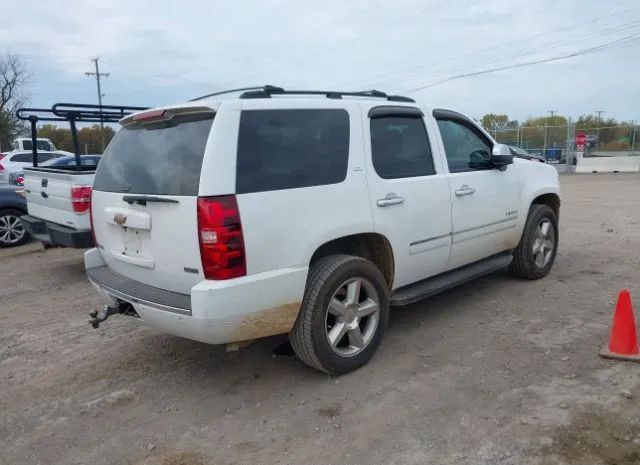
(102, 315)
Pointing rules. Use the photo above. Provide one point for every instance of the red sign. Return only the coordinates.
(581, 139)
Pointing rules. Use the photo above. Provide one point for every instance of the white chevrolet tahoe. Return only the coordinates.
(226, 219)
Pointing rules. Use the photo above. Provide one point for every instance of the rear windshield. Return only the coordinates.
(163, 157)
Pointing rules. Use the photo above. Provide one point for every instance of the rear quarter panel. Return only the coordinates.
(283, 228)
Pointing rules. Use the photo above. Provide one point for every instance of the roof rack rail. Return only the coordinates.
(268, 91)
(240, 89)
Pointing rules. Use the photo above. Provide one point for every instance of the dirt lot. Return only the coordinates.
(499, 371)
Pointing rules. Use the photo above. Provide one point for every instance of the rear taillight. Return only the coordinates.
(1, 167)
(81, 198)
(221, 241)
(20, 180)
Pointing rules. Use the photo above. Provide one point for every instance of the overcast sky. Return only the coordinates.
(160, 52)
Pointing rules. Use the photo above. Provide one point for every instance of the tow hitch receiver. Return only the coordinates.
(124, 308)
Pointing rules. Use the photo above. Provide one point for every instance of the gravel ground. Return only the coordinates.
(498, 371)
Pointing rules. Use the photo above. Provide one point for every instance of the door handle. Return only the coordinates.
(464, 190)
(390, 199)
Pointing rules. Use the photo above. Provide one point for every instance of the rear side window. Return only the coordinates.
(287, 149)
(23, 157)
(400, 147)
(159, 157)
(28, 157)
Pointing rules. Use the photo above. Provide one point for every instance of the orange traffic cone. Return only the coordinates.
(623, 341)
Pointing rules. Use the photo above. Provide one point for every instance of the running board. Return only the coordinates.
(427, 287)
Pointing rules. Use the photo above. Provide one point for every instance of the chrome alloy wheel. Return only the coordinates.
(11, 229)
(543, 243)
(352, 317)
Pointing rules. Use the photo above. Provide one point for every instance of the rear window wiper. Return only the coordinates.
(143, 199)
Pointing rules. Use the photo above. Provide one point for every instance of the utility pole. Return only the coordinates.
(570, 154)
(98, 75)
(546, 131)
(599, 120)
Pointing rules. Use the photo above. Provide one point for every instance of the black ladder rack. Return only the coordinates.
(72, 113)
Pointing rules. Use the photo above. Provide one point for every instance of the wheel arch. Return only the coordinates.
(550, 199)
(15, 208)
(371, 246)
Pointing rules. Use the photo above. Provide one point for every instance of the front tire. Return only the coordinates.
(536, 252)
(344, 314)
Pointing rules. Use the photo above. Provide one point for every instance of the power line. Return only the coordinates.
(605, 46)
(342, 45)
(547, 47)
(97, 74)
(493, 47)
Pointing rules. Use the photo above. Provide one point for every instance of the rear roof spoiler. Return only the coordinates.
(157, 114)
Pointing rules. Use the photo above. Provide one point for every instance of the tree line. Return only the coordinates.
(14, 80)
(13, 95)
(552, 131)
(89, 138)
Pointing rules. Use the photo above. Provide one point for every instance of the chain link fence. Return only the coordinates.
(557, 143)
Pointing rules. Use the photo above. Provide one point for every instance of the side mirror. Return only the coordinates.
(501, 156)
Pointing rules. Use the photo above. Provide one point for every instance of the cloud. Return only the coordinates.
(158, 51)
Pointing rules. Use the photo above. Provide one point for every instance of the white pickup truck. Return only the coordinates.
(24, 144)
(58, 197)
(309, 213)
(58, 200)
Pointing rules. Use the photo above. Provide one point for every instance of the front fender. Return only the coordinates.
(536, 179)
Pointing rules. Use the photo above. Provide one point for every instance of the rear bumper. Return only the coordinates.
(57, 234)
(214, 312)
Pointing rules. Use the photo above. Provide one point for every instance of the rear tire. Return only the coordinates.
(536, 252)
(12, 232)
(344, 314)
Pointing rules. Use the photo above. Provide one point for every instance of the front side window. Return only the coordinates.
(400, 147)
(465, 149)
(45, 157)
(287, 149)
